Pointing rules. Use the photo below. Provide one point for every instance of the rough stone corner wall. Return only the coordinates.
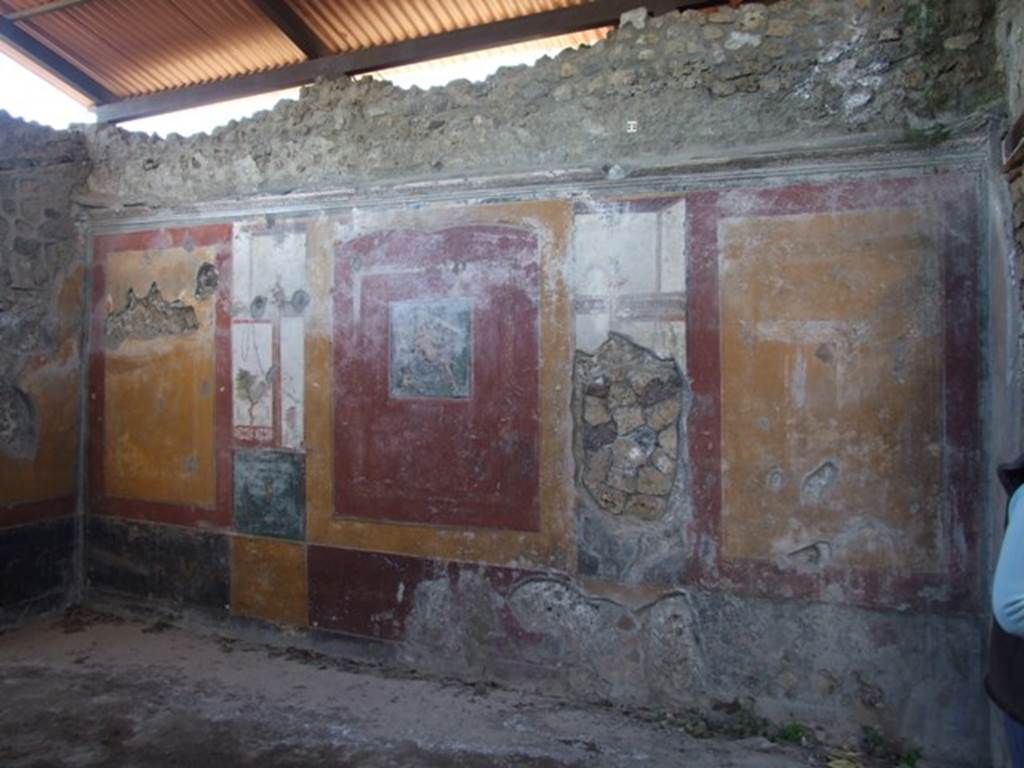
(1009, 26)
(671, 87)
(41, 284)
(1010, 40)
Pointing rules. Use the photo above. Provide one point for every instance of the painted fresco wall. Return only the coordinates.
(655, 449)
(41, 304)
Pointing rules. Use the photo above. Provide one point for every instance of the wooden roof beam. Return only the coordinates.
(291, 24)
(52, 62)
(599, 13)
(39, 10)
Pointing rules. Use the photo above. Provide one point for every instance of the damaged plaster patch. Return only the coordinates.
(207, 280)
(468, 623)
(454, 618)
(629, 448)
(817, 484)
(631, 402)
(150, 317)
(615, 650)
(18, 433)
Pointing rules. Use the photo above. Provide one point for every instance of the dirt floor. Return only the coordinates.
(96, 690)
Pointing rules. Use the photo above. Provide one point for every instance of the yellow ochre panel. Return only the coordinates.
(159, 409)
(832, 362)
(268, 580)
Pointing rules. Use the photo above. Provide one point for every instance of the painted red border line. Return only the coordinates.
(21, 513)
(223, 409)
(703, 355)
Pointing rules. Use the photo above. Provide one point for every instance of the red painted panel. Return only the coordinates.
(455, 460)
(372, 594)
(362, 593)
(222, 404)
(703, 357)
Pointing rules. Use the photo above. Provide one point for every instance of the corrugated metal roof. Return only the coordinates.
(354, 25)
(141, 46)
(138, 47)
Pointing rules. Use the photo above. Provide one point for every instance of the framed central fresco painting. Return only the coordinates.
(431, 348)
(436, 368)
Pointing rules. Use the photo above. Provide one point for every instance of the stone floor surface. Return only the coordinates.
(110, 691)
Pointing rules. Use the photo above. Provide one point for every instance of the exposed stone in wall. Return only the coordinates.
(630, 403)
(18, 431)
(1017, 195)
(628, 441)
(25, 146)
(782, 73)
(39, 169)
(150, 317)
(1010, 40)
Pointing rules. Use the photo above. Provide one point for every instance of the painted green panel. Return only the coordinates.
(270, 498)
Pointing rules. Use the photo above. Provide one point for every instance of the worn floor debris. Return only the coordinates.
(95, 691)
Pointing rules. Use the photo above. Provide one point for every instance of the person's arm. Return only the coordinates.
(1008, 589)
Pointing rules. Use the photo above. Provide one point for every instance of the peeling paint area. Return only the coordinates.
(149, 317)
(18, 431)
(613, 646)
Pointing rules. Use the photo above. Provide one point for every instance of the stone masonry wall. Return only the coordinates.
(1009, 27)
(1010, 41)
(41, 295)
(39, 168)
(668, 87)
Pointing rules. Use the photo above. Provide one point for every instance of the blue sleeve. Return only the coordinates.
(1008, 589)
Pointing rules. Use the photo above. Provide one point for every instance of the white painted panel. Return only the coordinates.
(293, 384)
(673, 248)
(615, 253)
(252, 378)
